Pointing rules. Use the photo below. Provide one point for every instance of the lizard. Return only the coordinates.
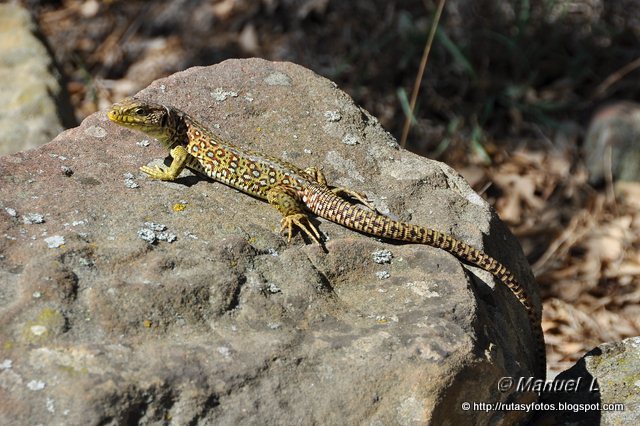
(295, 192)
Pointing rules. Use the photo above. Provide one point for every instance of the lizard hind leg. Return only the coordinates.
(360, 197)
(317, 175)
(293, 212)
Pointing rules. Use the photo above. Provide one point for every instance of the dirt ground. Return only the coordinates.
(506, 99)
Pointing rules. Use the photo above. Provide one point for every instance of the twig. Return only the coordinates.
(615, 77)
(418, 82)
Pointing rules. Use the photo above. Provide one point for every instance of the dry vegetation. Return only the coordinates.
(507, 94)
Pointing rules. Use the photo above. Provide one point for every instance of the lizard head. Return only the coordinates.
(158, 121)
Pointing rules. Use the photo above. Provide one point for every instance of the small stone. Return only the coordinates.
(6, 364)
(67, 171)
(89, 8)
(11, 212)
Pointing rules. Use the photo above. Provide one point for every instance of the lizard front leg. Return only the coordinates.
(317, 175)
(179, 157)
(293, 211)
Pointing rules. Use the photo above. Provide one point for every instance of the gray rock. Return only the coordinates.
(611, 147)
(228, 323)
(607, 391)
(34, 107)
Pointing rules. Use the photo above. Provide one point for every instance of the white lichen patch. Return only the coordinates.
(32, 218)
(11, 212)
(332, 116)
(129, 181)
(50, 405)
(6, 364)
(224, 351)
(411, 411)
(38, 330)
(382, 256)
(424, 289)
(277, 78)
(219, 94)
(345, 165)
(96, 131)
(273, 288)
(382, 275)
(350, 140)
(36, 385)
(153, 232)
(54, 241)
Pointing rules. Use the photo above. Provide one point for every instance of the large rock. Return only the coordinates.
(34, 106)
(604, 388)
(611, 149)
(228, 323)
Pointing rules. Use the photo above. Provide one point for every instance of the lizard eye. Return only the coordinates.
(139, 111)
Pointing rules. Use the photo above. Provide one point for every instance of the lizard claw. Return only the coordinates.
(156, 172)
(361, 198)
(301, 221)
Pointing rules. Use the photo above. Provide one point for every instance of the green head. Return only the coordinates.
(159, 121)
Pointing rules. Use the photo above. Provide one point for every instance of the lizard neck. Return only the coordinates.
(174, 131)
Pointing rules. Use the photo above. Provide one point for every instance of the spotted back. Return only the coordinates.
(249, 171)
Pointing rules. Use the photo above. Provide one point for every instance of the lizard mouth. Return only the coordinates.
(123, 119)
(113, 116)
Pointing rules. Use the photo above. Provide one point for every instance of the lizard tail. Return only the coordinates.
(341, 211)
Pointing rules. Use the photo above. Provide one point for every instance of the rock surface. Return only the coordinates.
(34, 107)
(127, 300)
(608, 391)
(611, 149)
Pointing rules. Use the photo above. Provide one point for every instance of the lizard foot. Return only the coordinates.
(157, 172)
(362, 199)
(301, 221)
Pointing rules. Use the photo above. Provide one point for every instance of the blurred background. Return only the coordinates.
(533, 101)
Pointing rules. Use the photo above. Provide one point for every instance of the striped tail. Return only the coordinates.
(325, 204)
